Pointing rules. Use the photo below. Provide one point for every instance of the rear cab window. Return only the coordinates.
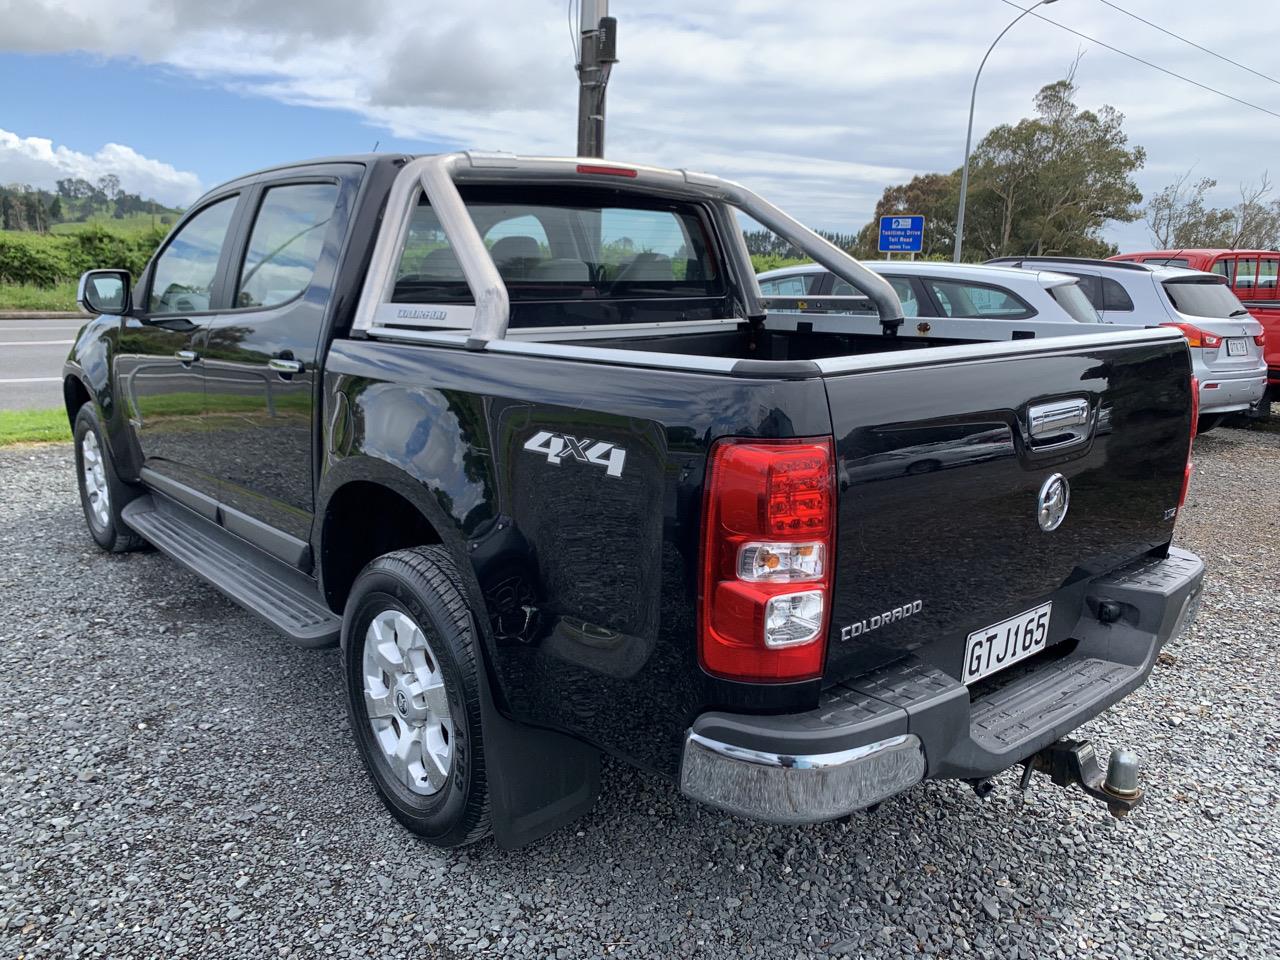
(616, 258)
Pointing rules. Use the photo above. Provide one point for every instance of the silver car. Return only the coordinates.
(1226, 341)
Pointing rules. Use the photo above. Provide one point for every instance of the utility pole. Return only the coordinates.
(597, 53)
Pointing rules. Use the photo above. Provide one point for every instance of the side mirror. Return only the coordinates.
(104, 291)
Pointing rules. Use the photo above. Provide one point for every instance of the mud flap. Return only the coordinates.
(539, 780)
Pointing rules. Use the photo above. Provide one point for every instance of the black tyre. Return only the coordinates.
(1208, 422)
(411, 664)
(102, 493)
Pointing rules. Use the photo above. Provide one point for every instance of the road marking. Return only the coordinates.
(35, 380)
(35, 343)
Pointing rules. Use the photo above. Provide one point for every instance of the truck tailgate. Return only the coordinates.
(940, 477)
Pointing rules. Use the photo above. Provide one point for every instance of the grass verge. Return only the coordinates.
(27, 296)
(33, 426)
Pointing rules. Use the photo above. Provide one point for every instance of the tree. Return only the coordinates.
(931, 195)
(1050, 183)
(1179, 216)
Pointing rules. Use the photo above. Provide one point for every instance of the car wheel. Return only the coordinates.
(102, 493)
(413, 697)
(1208, 422)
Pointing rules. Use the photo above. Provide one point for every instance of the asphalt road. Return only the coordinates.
(176, 781)
(31, 355)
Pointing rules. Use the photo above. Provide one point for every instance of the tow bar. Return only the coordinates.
(1071, 762)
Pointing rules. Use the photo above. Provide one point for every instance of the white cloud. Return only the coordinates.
(820, 104)
(36, 161)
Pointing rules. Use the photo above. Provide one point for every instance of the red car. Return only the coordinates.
(1253, 275)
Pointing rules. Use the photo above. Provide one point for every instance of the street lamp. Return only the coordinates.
(968, 140)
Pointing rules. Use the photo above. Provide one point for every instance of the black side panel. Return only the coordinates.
(587, 576)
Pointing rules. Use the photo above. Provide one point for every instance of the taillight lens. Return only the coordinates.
(1197, 337)
(1195, 422)
(767, 542)
(1261, 339)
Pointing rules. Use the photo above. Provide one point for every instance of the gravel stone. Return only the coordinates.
(179, 781)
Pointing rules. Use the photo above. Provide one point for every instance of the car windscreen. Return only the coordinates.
(1072, 299)
(1204, 297)
(551, 246)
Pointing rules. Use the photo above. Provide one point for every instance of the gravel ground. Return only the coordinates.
(178, 781)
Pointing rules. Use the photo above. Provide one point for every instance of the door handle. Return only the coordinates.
(186, 356)
(1063, 422)
(281, 365)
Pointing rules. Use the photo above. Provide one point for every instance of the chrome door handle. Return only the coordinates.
(186, 356)
(1064, 421)
(280, 365)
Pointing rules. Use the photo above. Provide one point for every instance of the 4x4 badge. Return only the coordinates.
(558, 446)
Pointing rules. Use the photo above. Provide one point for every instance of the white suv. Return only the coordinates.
(1226, 342)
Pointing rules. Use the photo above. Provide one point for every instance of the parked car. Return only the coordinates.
(937, 289)
(1227, 344)
(1253, 275)
(524, 439)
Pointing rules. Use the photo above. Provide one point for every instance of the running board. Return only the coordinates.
(278, 593)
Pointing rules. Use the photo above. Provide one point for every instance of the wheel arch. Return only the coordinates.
(367, 507)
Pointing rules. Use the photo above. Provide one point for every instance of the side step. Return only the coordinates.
(280, 594)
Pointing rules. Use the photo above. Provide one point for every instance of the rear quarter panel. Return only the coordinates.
(585, 582)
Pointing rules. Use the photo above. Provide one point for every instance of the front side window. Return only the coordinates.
(288, 235)
(1246, 275)
(901, 286)
(570, 247)
(183, 277)
(796, 285)
(975, 301)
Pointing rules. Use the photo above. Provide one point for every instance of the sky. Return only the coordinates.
(818, 105)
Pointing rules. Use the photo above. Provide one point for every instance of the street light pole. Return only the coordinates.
(968, 139)
(598, 52)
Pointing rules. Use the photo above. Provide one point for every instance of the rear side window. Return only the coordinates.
(973, 301)
(1073, 300)
(1114, 296)
(288, 235)
(1268, 275)
(1204, 298)
(568, 248)
(184, 274)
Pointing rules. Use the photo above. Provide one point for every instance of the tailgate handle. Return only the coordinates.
(1063, 421)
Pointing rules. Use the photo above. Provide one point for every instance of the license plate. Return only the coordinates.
(1002, 644)
(1237, 347)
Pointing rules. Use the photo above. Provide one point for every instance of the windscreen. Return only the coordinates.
(1198, 297)
(1072, 299)
(552, 246)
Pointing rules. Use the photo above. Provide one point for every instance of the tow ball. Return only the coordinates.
(1074, 762)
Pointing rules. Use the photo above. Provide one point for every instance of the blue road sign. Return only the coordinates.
(901, 234)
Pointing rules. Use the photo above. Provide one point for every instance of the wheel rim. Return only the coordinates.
(404, 694)
(95, 480)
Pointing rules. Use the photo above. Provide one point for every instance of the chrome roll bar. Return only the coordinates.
(486, 319)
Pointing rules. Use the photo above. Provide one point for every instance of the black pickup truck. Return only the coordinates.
(522, 436)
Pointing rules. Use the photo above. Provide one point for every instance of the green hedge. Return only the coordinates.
(46, 260)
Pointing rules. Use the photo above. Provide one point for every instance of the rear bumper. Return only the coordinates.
(1226, 394)
(879, 734)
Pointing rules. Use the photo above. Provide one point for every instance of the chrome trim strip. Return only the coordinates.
(993, 351)
(815, 761)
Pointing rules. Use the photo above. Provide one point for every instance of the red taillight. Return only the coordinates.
(601, 169)
(767, 552)
(1197, 337)
(1195, 422)
(1261, 339)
